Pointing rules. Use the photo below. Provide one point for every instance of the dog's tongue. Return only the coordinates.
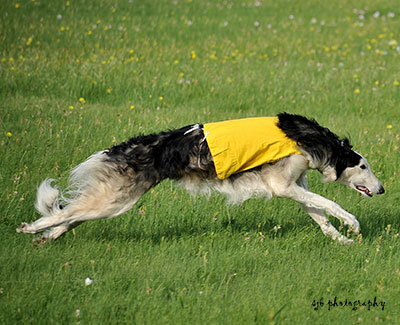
(364, 189)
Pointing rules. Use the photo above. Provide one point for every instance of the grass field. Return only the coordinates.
(79, 76)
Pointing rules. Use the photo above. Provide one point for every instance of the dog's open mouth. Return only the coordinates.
(364, 190)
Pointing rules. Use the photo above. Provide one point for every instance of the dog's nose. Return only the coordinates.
(381, 190)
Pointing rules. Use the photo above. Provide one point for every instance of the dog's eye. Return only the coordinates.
(363, 166)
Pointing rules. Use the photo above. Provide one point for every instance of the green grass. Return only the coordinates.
(78, 76)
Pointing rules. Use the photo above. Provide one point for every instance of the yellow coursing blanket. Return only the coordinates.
(239, 145)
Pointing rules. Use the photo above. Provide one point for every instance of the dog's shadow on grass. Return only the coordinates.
(232, 222)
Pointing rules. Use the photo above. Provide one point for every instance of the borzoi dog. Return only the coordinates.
(238, 158)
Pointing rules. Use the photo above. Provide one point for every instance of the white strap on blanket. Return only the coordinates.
(193, 128)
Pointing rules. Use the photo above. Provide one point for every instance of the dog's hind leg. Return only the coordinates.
(102, 199)
(55, 232)
(91, 205)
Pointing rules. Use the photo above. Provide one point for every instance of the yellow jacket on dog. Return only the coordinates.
(239, 145)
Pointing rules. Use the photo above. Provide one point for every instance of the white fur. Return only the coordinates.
(47, 198)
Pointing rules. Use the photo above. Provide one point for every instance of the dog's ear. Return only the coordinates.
(329, 175)
(345, 143)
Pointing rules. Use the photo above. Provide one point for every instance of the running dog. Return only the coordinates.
(254, 157)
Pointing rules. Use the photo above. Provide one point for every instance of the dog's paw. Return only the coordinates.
(39, 241)
(345, 241)
(25, 228)
(354, 227)
(22, 227)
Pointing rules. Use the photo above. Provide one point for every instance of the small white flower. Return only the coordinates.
(291, 17)
(190, 23)
(256, 23)
(361, 17)
(78, 312)
(390, 14)
(376, 14)
(59, 16)
(225, 24)
(88, 281)
(314, 21)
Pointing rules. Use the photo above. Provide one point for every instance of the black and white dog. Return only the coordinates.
(110, 182)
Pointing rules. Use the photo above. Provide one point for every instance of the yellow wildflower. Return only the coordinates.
(109, 91)
(9, 134)
(396, 83)
(193, 54)
(17, 5)
(357, 91)
(132, 107)
(70, 107)
(390, 126)
(82, 100)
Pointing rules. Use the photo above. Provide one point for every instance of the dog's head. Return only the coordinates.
(353, 170)
(361, 178)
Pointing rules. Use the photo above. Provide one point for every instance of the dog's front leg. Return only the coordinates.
(327, 228)
(314, 201)
(319, 217)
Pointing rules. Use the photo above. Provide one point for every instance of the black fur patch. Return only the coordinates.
(169, 154)
(319, 142)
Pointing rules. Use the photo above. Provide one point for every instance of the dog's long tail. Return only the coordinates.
(50, 200)
(47, 199)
